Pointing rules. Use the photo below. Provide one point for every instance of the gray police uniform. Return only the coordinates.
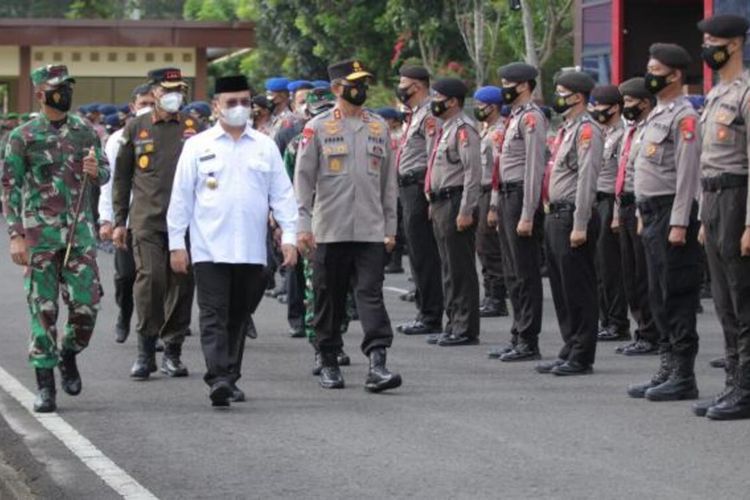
(453, 188)
(572, 275)
(346, 191)
(725, 212)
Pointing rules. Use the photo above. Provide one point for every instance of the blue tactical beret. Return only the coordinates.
(277, 84)
(299, 84)
(321, 84)
(124, 108)
(107, 109)
(489, 95)
(201, 107)
(112, 120)
(697, 101)
(389, 113)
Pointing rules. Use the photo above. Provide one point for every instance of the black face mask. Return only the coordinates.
(439, 107)
(403, 94)
(510, 94)
(481, 114)
(715, 56)
(602, 115)
(355, 94)
(632, 113)
(59, 98)
(560, 103)
(656, 83)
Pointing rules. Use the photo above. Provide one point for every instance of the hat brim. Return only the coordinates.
(358, 75)
(59, 81)
(173, 85)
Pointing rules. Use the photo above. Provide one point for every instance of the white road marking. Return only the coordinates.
(395, 290)
(116, 478)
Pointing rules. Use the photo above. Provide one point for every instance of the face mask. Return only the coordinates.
(632, 113)
(403, 94)
(355, 94)
(481, 114)
(143, 111)
(602, 115)
(439, 107)
(656, 83)
(510, 94)
(171, 102)
(560, 103)
(715, 56)
(236, 116)
(59, 98)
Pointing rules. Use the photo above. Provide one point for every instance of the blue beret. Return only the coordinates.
(299, 84)
(505, 111)
(697, 101)
(321, 84)
(389, 113)
(201, 107)
(489, 94)
(107, 109)
(277, 84)
(112, 120)
(94, 107)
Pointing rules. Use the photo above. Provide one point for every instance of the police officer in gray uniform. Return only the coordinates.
(420, 132)
(571, 225)
(667, 172)
(606, 102)
(517, 199)
(452, 186)
(725, 208)
(346, 190)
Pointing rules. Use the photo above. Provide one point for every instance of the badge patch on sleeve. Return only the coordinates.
(430, 125)
(497, 138)
(529, 121)
(307, 135)
(587, 133)
(463, 137)
(687, 128)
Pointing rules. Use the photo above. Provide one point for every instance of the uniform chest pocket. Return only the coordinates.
(567, 155)
(654, 143)
(375, 158)
(726, 127)
(209, 170)
(334, 159)
(450, 153)
(41, 163)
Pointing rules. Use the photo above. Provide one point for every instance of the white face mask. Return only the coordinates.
(143, 111)
(171, 102)
(236, 116)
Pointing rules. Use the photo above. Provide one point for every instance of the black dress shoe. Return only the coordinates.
(420, 328)
(171, 364)
(493, 308)
(221, 393)
(457, 340)
(331, 378)
(70, 378)
(548, 366)
(641, 348)
(572, 368)
(297, 333)
(497, 352)
(407, 297)
(718, 362)
(435, 337)
(522, 352)
(238, 396)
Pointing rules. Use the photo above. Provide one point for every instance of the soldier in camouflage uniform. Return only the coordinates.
(46, 161)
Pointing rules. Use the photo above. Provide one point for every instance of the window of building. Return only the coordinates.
(596, 39)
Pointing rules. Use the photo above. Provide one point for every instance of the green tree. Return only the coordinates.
(96, 9)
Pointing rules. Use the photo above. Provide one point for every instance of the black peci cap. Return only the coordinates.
(235, 83)
(725, 26)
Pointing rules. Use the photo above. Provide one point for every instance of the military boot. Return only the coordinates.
(45, 398)
(145, 364)
(330, 374)
(171, 364)
(700, 408)
(70, 378)
(681, 383)
(736, 405)
(661, 375)
(379, 378)
(343, 358)
(317, 363)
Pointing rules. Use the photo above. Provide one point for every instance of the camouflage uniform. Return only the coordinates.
(41, 180)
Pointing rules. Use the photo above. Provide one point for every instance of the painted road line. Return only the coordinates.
(395, 290)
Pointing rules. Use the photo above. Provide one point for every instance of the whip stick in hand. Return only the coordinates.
(79, 205)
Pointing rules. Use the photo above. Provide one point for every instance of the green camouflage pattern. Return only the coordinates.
(309, 301)
(53, 74)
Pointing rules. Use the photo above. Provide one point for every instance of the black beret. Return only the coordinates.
(577, 81)
(415, 72)
(725, 26)
(451, 87)
(671, 55)
(635, 87)
(606, 94)
(235, 83)
(351, 70)
(518, 72)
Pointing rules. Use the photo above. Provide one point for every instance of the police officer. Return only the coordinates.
(346, 191)
(421, 130)
(570, 227)
(637, 105)
(606, 110)
(667, 172)
(517, 210)
(48, 164)
(282, 115)
(725, 207)
(146, 162)
(487, 105)
(452, 182)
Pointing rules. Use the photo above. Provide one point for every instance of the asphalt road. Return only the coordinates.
(461, 426)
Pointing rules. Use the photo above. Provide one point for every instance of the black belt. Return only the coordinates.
(446, 193)
(561, 206)
(511, 187)
(655, 204)
(627, 199)
(600, 195)
(724, 181)
(411, 178)
(486, 188)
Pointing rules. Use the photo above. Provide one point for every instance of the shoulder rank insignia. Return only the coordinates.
(687, 128)
(375, 128)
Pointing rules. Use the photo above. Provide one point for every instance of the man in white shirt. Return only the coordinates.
(141, 102)
(228, 179)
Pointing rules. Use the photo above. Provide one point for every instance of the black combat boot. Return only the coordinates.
(171, 364)
(145, 364)
(379, 378)
(735, 406)
(681, 383)
(330, 374)
(343, 358)
(70, 379)
(661, 375)
(730, 384)
(45, 398)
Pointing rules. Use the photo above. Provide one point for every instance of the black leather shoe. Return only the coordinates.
(393, 268)
(736, 406)
(238, 395)
(522, 352)
(718, 362)
(343, 358)
(250, 330)
(497, 352)
(145, 363)
(676, 388)
(494, 308)
(400, 328)
(701, 407)
(379, 378)
(408, 296)
(457, 340)
(221, 393)
(122, 332)
(548, 366)
(612, 333)
(620, 349)
(317, 365)
(297, 333)
(641, 348)
(45, 398)
(331, 378)
(70, 378)
(420, 328)
(435, 338)
(171, 364)
(570, 368)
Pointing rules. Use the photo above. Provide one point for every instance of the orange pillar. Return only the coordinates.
(708, 83)
(201, 74)
(24, 80)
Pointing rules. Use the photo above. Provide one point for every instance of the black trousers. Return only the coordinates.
(423, 254)
(572, 277)
(489, 252)
(227, 295)
(336, 267)
(124, 281)
(613, 308)
(674, 278)
(295, 293)
(460, 281)
(635, 275)
(724, 222)
(523, 264)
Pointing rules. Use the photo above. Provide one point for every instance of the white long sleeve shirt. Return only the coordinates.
(223, 191)
(105, 197)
